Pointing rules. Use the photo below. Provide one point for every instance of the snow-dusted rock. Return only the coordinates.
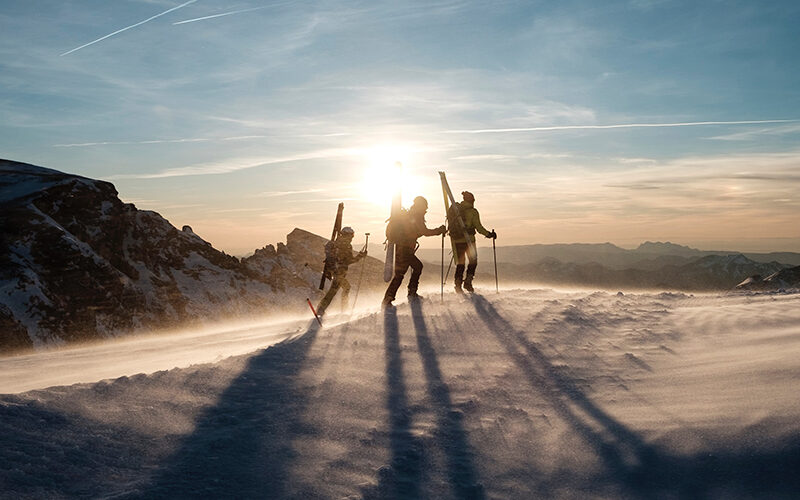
(784, 279)
(76, 263)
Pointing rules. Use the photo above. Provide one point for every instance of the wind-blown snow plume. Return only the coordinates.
(128, 27)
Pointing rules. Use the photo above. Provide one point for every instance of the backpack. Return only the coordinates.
(399, 227)
(456, 230)
(330, 258)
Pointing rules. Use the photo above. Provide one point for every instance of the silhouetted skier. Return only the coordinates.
(408, 226)
(340, 260)
(472, 223)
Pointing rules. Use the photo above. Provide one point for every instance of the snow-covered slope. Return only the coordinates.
(76, 263)
(526, 394)
(785, 279)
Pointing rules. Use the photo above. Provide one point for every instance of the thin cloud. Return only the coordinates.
(221, 15)
(189, 139)
(486, 157)
(759, 133)
(274, 194)
(122, 143)
(604, 127)
(128, 27)
(229, 166)
(184, 205)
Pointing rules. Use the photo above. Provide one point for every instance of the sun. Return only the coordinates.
(386, 169)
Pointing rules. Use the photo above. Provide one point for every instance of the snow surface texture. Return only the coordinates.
(527, 394)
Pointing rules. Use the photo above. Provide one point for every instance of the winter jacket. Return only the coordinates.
(417, 228)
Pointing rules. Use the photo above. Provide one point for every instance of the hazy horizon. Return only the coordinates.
(626, 122)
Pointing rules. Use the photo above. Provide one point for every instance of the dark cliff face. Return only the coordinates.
(76, 263)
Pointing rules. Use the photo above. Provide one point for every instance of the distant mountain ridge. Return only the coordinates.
(76, 264)
(652, 265)
(647, 256)
(709, 273)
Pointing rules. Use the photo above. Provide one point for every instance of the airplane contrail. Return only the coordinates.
(623, 125)
(127, 28)
(221, 15)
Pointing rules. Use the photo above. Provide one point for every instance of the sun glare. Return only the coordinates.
(387, 166)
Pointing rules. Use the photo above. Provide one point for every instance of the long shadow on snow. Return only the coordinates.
(452, 436)
(641, 469)
(242, 446)
(403, 478)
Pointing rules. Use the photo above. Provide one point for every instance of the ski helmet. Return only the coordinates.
(468, 196)
(421, 202)
(347, 231)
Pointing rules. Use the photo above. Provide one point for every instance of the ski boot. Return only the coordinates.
(468, 284)
(415, 297)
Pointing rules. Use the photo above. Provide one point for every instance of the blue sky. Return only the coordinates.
(245, 119)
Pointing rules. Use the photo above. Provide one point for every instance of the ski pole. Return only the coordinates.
(314, 311)
(442, 267)
(360, 276)
(494, 253)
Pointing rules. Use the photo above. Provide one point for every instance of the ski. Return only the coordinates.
(448, 202)
(337, 226)
(397, 204)
(388, 266)
(314, 311)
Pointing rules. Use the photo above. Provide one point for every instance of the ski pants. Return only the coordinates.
(339, 281)
(460, 256)
(403, 259)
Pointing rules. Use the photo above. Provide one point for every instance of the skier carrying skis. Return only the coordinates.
(342, 258)
(410, 227)
(472, 223)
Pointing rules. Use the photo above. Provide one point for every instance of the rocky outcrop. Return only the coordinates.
(301, 259)
(76, 263)
(785, 279)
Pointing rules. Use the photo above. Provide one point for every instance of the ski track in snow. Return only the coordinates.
(527, 394)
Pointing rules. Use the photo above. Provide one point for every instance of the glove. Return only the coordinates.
(492, 235)
(362, 254)
(442, 229)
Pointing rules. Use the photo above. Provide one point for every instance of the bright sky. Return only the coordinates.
(246, 118)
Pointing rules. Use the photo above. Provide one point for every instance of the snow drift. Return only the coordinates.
(527, 394)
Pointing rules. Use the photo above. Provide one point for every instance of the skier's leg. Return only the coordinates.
(400, 268)
(326, 300)
(473, 264)
(345, 286)
(461, 250)
(416, 273)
